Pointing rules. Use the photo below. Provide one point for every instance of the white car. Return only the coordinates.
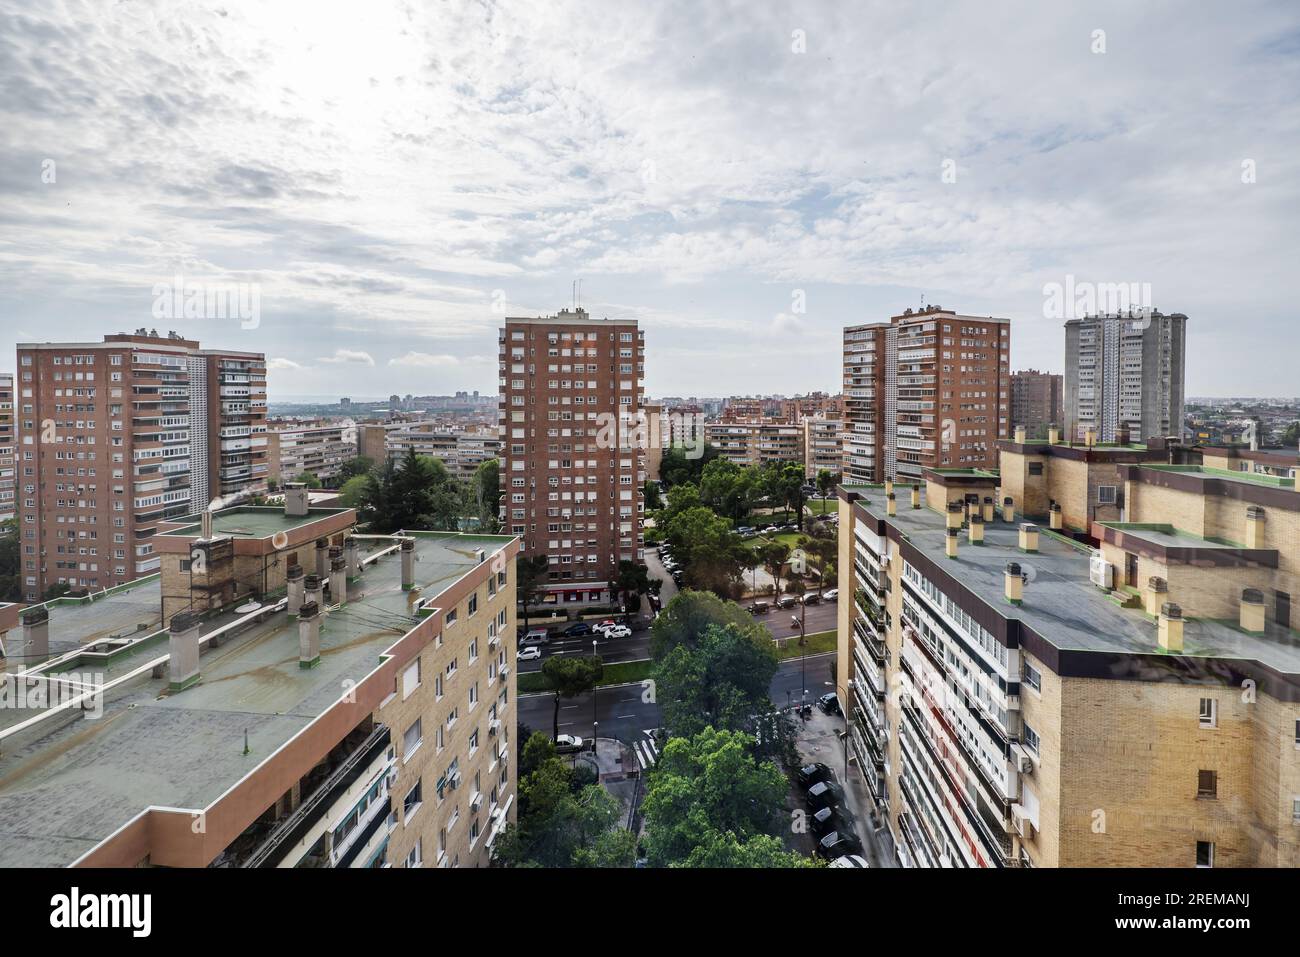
(849, 860)
(832, 594)
(617, 631)
(530, 653)
(568, 743)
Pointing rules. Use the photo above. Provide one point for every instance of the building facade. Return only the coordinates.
(756, 441)
(823, 446)
(321, 448)
(928, 389)
(1017, 700)
(1125, 372)
(8, 469)
(117, 436)
(572, 475)
(1036, 402)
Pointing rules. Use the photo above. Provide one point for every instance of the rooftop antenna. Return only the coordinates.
(579, 293)
(573, 293)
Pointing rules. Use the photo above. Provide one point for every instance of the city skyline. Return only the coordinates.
(386, 244)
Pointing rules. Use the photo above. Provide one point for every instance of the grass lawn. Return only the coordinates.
(534, 682)
(819, 506)
(818, 643)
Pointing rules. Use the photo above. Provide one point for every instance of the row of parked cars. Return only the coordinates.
(794, 601)
(832, 824)
(671, 565)
(530, 646)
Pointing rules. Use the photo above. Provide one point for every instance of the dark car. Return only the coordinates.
(838, 844)
(788, 601)
(824, 794)
(830, 819)
(829, 703)
(811, 774)
(577, 629)
(759, 608)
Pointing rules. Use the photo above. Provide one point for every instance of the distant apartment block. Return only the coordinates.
(1125, 371)
(8, 502)
(284, 695)
(1016, 699)
(928, 389)
(823, 446)
(461, 451)
(321, 448)
(571, 486)
(1036, 402)
(115, 437)
(756, 441)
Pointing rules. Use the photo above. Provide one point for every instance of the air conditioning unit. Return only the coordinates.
(1101, 572)
(1024, 826)
(505, 672)
(392, 778)
(493, 727)
(453, 782)
(476, 801)
(1024, 763)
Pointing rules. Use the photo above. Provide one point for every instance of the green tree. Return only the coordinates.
(532, 579)
(774, 556)
(821, 551)
(353, 491)
(356, 466)
(1291, 436)
(631, 583)
(721, 682)
(487, 492)
(728, 489)
(653, 499)
(825, 482)
(308, 479)
(724, 849)
(706, 786)
(11, 589)
(684, 619)
(713, 556)
(570, 677)
(676, 468)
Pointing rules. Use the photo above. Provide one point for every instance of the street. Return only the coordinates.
(624, 713)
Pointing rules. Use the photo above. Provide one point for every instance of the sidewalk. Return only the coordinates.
(613, 762)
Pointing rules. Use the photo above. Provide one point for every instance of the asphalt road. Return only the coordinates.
(624, 712)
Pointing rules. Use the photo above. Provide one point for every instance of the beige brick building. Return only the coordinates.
(1017, 698)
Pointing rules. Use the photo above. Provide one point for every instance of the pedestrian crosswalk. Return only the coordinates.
(647, 752)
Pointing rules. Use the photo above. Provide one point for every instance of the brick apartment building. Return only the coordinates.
(321, 448)
(571, 487)
(8, 504)
(756, 441)
(1036, 402)
(928, 389)
(117, 436)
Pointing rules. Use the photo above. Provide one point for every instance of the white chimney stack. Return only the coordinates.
(183, 647)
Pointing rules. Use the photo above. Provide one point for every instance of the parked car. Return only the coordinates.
(832, 594)
(824, 794)
(577, 630)
(838, 844)
(617, 631)
(535, 636)
(849, 860)
(829, 703)
(811, 598)
(770, 530)
(568, 743)
(811, 774)
(530, 653)
(787, 601)
(759, 608)
(745, 530)
(830, 819)
(602, 625)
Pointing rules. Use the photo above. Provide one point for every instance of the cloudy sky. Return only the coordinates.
(392, 178)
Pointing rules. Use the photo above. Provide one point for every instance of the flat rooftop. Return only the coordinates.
(131, 610)
(252, 521)
(1246, 478)
(70, 783)
(1060, 602)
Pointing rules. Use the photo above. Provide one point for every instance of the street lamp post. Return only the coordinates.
(845, 738)
(595, 688)
(803, 653)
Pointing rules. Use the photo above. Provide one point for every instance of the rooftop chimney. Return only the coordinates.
(1157, 589)
(322, 557)
(408, 563)
(1020, 435)
(891, 504)
(296, 499)
(352, 554)
(294, 581)
(1170, 629)
(183, 648)
(1090, 438)
(1028, 537)
(1122, 435)
(950, 542)
(205, 524)
(1054, 517)
(315, 592)
(975, 530)
(1254, 526)
(1008, 509)
(955, 510)
(889, 486)
(1252, 610)
(1013, 584)
(916, 496)
(1053, 435)
(36, 636)
(338, 580)
(988, 512)
(309, 621)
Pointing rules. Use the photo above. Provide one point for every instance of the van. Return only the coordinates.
(535, 636)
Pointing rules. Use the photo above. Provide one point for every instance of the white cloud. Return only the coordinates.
(282, 363)
(424, 360)
(349, 357)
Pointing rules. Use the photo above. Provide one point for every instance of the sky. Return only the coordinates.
(384, 182)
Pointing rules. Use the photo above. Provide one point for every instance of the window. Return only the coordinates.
(1207, 784)
(1105, 494)
(412, 740)
(1032, 677)
(411, 803)
(413, 859)
(1295, 810)
(1030, 738)
(473, 604)
(1209, 713)
(410, 679)
(1035, 468)
(1204, 853)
